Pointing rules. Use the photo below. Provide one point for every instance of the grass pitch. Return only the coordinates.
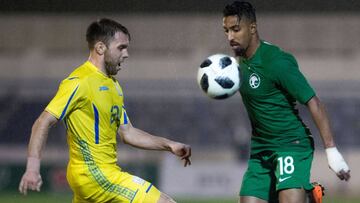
(33, 197)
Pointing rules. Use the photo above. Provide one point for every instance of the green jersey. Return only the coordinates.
(271, 83)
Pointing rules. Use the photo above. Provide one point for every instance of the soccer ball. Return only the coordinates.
(218, 76)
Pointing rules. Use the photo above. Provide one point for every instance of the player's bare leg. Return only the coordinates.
(164, 198)
(249, 199)
(292, 196)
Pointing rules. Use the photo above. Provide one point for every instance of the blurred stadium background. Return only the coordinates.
(43, 41)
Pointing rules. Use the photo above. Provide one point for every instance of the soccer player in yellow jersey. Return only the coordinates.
(90, 102)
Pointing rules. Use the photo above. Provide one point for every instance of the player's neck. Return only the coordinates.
(98, 62)
(255, 43)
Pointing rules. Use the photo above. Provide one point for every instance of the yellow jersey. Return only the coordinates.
(91, 104)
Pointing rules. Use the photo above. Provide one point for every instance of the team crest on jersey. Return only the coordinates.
(254, 81)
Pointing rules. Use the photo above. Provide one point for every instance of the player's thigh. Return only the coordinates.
(293, 170)
(145, 191)
(292, 196)
(258, 180)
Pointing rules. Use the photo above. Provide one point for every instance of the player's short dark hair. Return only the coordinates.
(103, 30)
(242, 9)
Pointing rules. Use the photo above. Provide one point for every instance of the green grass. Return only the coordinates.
(202, 200)
(341, 199)
(235, 200)
(33, 197)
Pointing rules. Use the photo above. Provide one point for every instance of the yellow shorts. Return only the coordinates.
(109, 184)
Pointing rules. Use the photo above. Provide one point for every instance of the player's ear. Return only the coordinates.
(100, 48)
(253, 28)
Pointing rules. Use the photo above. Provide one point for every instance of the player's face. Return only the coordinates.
(116, 53)
(238, 33)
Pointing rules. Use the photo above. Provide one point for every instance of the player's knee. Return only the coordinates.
(164, 198)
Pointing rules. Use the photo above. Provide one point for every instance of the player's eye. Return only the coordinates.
(122, 47)
(236, 29)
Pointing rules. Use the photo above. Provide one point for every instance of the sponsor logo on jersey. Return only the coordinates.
(254, 81)
(103, 88)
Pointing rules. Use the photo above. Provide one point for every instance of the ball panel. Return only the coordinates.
(225, 82)
(205, 63)
(204, 83)
(223, 96)
(225, 62)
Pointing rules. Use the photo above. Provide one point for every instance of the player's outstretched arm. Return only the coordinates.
(141, 139)
(335, 159)
(31, 179)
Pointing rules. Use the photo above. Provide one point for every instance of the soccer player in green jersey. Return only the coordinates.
(90, 102)
(281, 145)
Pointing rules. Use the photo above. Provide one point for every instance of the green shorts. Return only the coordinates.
(269, 172)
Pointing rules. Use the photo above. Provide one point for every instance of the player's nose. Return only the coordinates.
(125, 54)
(230, 36)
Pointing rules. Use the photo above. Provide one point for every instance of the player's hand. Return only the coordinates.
(337, 163)
(31, 180)
(183, 151)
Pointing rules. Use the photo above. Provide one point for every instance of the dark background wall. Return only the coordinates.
(165, 6)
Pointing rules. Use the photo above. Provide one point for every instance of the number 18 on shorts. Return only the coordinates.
(269, 172)
(293, 170)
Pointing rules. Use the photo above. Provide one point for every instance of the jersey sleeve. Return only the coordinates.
(124, 119)
(288, 77)
(69, 96)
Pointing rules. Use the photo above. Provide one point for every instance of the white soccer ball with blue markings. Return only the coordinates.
(219, 76)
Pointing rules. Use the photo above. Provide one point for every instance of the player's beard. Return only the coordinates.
(111, 65)
(111, 68)
(240, 52)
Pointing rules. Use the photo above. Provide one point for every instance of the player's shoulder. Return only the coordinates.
(80, 74)
(270, 51)
(274, 55)
(77, 78)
